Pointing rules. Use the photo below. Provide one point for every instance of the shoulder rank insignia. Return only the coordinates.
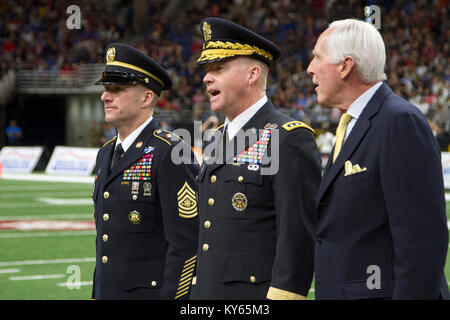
(289, 126)
(166, 136)
(187, 202)
(113, 139)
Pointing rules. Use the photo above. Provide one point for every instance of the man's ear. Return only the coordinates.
(254, 72)
(147, 97)
(346, 67)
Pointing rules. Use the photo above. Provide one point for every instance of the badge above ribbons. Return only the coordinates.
(187, 202)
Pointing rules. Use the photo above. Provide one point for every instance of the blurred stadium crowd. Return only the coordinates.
(33, 35)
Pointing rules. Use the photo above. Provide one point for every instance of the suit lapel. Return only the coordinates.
(353, 140)
(134, 152)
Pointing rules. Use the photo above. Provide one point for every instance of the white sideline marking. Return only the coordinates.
(74, 284)
(447, 197)
(27, 195)
(40, 187)
(45, 261)
(58, 201)
(38, 277)
(9, 270)
(24, 205)
(45, 234)
(45, 177)
(49, 217)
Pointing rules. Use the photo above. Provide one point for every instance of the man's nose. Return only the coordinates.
(208, 78)
(310, 69)
(106, 96)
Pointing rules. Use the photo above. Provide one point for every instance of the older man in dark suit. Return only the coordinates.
(382, 229)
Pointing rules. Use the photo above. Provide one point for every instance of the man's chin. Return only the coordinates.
(110, 119)
(215, 107)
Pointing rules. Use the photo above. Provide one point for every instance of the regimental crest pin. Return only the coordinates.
(134, 217)
(187, 202)
(110, 54)
(239, 201)
(207, 31)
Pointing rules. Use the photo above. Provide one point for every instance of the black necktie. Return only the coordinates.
(116, 156)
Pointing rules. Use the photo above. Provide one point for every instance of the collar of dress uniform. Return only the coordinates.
(128, 141)
(234, 126)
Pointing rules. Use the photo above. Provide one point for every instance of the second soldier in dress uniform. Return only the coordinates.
(145, 205)
(256, 229)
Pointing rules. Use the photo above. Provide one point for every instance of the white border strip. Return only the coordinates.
(46, 234)
(45, 177)
(45, 261)
(38, 277)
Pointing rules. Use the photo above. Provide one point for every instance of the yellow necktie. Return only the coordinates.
(340, 134)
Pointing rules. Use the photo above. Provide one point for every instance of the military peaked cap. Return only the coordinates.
(128, 65)
(224, 39)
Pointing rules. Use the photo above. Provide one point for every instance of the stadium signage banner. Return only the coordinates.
(72, 161)
(446, 168)
(20, 159)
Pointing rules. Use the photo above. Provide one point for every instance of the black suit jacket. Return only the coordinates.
(256, 231)
(147, 230)
(381, 209)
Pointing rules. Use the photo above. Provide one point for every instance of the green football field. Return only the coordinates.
(47, 241)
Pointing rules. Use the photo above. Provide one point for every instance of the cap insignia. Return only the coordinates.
(207, 31)
(110, 54)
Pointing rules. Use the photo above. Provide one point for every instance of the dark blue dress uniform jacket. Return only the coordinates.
(150, 254)
(270, 244)
(390, 215)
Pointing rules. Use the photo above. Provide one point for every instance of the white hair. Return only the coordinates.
(362, 41)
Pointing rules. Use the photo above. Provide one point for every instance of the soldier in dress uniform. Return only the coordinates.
(145, 204)
(256, 228)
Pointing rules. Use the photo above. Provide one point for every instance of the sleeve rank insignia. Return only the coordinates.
(289, 126)
(187, 202)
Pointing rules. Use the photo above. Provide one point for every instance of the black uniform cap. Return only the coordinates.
(127, 65)
(224, 39)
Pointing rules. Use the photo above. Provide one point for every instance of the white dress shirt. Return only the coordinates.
(238, 122)
(126, 143)
(358, 106)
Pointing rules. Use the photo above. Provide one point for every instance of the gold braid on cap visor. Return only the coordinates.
(220, 49)
(130, 66)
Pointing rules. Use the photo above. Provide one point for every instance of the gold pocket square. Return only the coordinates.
(352, 169)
